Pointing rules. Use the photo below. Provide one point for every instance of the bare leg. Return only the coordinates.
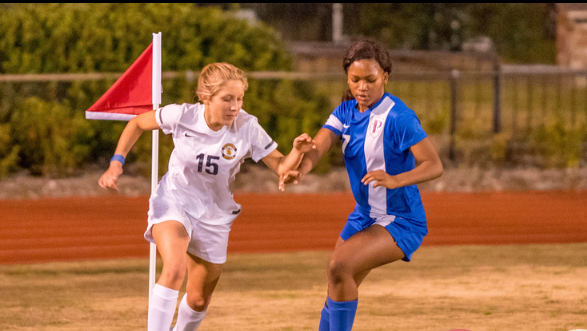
(352, 260)
(172, 242)
(359, 277)
(202, 279)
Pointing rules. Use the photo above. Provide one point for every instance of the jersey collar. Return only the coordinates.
(201, 125)
(375, 107)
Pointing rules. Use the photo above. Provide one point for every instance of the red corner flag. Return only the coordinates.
(138, 90)
(130, 95)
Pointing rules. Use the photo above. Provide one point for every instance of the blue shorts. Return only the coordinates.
(407, 234)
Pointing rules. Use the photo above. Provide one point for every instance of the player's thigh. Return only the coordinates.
(365, 250)
(171, 239)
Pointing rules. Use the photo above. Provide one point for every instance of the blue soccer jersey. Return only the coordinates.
(380, 139)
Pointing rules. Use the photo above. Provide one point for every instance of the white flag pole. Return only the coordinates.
(156, 93)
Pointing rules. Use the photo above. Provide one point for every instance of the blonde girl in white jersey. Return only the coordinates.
(192, 210)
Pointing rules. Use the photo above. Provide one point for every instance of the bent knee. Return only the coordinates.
(339, 270)
(198, 302)
(174, 272)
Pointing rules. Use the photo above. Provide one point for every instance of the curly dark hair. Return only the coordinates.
(365, 49)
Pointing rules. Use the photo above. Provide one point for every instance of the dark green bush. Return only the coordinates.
(108, 37)
(50, 138)
(42, 124)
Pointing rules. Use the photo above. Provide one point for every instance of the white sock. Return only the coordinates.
(187, 318)
(162, 308)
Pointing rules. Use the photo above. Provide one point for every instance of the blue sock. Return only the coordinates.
(342, 314)
(324, 319)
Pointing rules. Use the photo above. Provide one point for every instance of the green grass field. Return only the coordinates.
(530, 287)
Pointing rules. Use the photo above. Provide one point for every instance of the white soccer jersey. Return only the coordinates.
(203, 164)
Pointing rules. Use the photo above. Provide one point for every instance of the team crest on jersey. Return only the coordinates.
(376, 127)
(229, 151)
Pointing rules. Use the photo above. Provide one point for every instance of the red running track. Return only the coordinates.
(69, 229)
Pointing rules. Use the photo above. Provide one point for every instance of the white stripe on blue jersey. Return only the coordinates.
(375, 155)
(379, 139)
(335, 124)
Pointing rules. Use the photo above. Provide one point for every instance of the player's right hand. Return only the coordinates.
(291, 176)
(109, 179)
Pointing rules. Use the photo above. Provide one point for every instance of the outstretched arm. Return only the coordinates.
(282, 164)
(323, 141)
(129, 136)
(428, 167)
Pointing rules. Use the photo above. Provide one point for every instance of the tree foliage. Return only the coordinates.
(521, 32)
(108, 37)
(42, 128)
(52, 138)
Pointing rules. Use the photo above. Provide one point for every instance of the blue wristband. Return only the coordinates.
(118, 157)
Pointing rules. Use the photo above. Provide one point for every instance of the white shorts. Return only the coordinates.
(207, 241)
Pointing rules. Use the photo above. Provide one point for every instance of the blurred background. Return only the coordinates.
(496, 86)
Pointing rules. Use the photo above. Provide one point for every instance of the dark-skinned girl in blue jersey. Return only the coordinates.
(386, 154)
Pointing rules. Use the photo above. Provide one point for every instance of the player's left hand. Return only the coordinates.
(304, 143)
(292, 176)
(381, 178)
